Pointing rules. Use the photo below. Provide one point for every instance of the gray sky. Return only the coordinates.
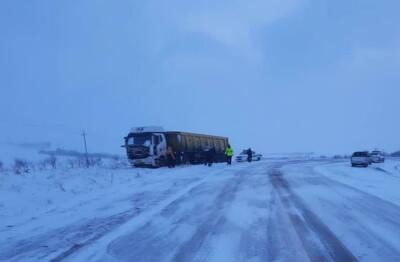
(277, 75)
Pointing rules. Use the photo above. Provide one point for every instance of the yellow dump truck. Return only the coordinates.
(147, 146)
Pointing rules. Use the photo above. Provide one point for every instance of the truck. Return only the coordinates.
(147, 146)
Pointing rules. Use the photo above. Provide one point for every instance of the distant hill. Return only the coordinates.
(395, 154)
(32, 146)
(26, 151)
(73, 153)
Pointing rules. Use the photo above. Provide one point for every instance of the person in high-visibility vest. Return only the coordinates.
(229, 154)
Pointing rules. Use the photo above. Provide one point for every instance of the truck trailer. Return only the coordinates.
(147, 146)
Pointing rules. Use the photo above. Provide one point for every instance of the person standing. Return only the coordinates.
(229, 154)
(170, 157)
(178, 158)
(249, 155)
(206, 155)
(211, 156)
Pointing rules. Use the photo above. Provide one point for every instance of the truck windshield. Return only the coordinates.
(139, 140)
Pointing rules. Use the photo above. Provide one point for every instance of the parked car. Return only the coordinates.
(361, 159)
(242, 157)
(377, 157)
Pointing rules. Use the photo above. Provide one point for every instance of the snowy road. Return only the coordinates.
(266, 211)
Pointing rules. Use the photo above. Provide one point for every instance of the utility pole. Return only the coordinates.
(86, 152)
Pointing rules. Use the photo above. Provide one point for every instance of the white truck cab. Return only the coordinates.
(146, 146)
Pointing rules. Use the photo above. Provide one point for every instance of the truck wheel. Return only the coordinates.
(162, 161)
(191, 159)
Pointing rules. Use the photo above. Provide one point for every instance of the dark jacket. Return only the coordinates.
(211, 153)
(249, 153)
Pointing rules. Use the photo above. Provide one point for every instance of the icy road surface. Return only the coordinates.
(265, 211)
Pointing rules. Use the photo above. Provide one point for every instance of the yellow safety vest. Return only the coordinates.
(229, 151)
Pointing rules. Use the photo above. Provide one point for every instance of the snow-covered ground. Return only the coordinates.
(274, 210)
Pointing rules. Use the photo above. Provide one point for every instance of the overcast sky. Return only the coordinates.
(277, 75)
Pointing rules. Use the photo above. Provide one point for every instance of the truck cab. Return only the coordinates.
(146, 146)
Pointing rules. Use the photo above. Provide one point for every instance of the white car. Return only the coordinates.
(377, 157)
(360, 159)
(242, 157)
